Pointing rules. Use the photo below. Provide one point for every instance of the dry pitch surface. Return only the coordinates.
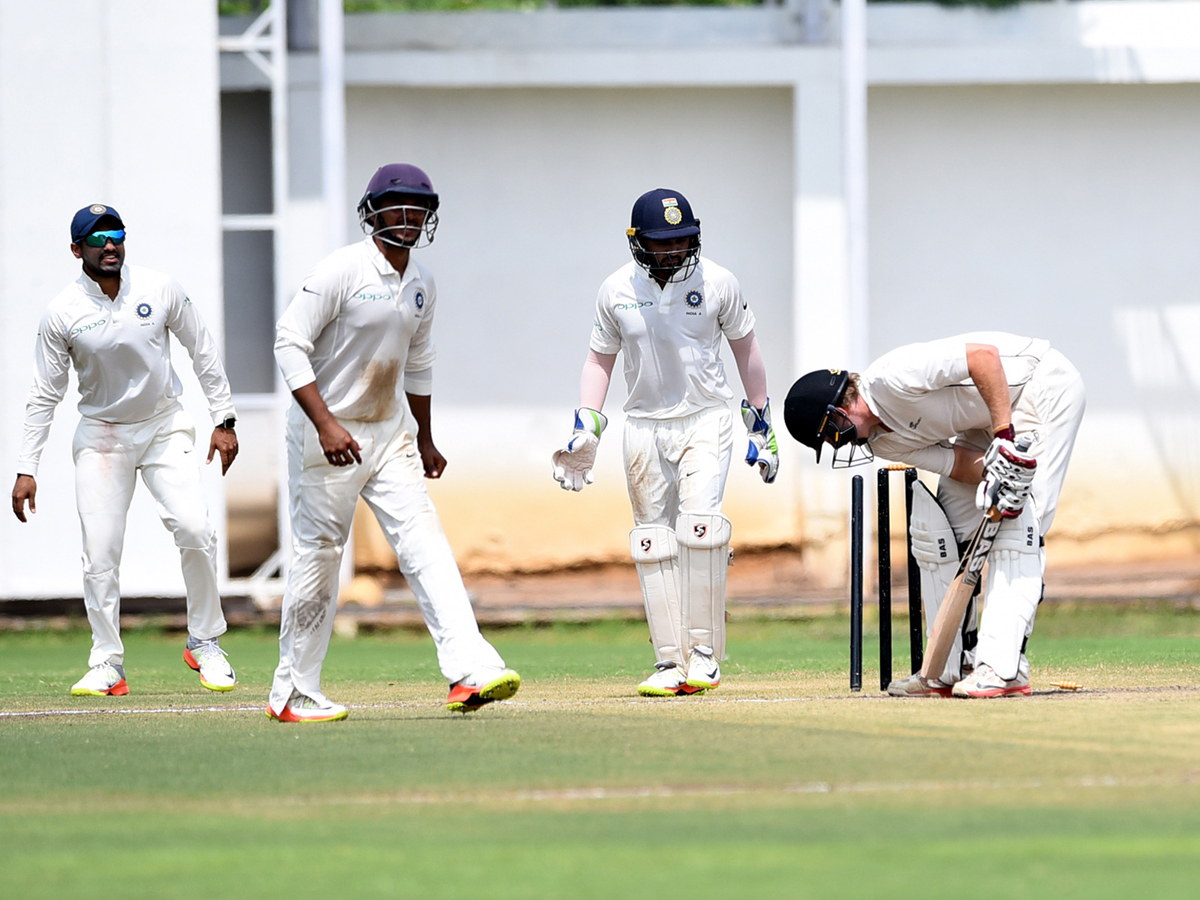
(779, 784)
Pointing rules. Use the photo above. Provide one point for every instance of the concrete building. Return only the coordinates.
(1032, 169)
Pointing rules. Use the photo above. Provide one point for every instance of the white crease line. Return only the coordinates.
(551, 795)
(561, 704)
(38, 713)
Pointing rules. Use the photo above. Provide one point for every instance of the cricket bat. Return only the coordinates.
(958, 595)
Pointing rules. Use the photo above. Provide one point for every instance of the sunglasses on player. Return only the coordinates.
(100, 238)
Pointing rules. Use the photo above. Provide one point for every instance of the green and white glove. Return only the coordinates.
(763, 451)
(573, 463)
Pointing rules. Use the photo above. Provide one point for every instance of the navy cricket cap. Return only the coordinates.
(661, 214)
(85, 220)
(400, 178)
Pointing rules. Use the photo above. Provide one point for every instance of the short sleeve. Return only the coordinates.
(606, 334)
(734, 312)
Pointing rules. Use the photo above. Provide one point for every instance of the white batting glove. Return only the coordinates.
(763, 451)
(573, 463)
(1008, 472)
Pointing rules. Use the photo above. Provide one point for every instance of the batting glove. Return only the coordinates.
(573, 463)
(1008, 472)
(763, 451)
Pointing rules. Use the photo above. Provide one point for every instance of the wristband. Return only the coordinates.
(1006, 433)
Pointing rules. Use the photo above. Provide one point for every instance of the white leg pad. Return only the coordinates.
(703, 564)
(936, 551)
(1014, 586)
(655, 552)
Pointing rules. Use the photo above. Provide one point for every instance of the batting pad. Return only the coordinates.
(936, 551)
(703, 564)
(1014, 587)
(655, 553)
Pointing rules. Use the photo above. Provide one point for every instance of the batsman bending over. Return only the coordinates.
(667, 310)
(955, 407)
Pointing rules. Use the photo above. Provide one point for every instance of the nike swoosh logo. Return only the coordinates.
(305, 289)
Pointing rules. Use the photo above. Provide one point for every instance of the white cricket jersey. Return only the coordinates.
(361, 331)
(925, 395)
(671, 337)
(121, 353)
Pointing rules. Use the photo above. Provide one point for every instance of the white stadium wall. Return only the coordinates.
(1067, 211)
(1032, 169)
(112, 102)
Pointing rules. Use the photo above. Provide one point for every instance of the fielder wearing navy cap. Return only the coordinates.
(84, 222)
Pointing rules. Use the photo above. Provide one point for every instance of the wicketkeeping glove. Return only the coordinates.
(1008, 472)
(763, 451)
(573, 463)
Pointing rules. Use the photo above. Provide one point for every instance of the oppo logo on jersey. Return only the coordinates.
(638, 304)
(82, 328)
(367, 295)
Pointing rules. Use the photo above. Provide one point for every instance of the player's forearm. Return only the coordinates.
(983, 364)
(752, 369)
(39, 414)
(421, 405)
(310, 400)
(596, 377)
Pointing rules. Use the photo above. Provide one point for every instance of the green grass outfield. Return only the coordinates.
(779, 784)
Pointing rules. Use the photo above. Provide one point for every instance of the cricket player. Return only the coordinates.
(354, 347)
(114, 326)
(667, 310)
(955, 407)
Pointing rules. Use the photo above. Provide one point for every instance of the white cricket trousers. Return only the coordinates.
(677, 465)
(1052, 406)
(107, 460)
(322, 498)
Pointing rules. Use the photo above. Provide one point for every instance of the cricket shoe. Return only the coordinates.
(984, 683)
(668, 680)
(916, 686)
(302, 708)
(207, 658)
(106, 678)
(704, 672)
(481, 688)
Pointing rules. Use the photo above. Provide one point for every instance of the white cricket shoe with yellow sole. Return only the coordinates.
(481, 688)
(104, 679)
(704, 672)
(207, 658)
(669, 680)
(302, 708)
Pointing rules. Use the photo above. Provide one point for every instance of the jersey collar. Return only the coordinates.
(93, 289)
(384, 268)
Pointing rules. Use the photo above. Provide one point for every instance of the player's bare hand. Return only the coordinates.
(431, 460)
(24, 489)
(341, 449)
(225, 442)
